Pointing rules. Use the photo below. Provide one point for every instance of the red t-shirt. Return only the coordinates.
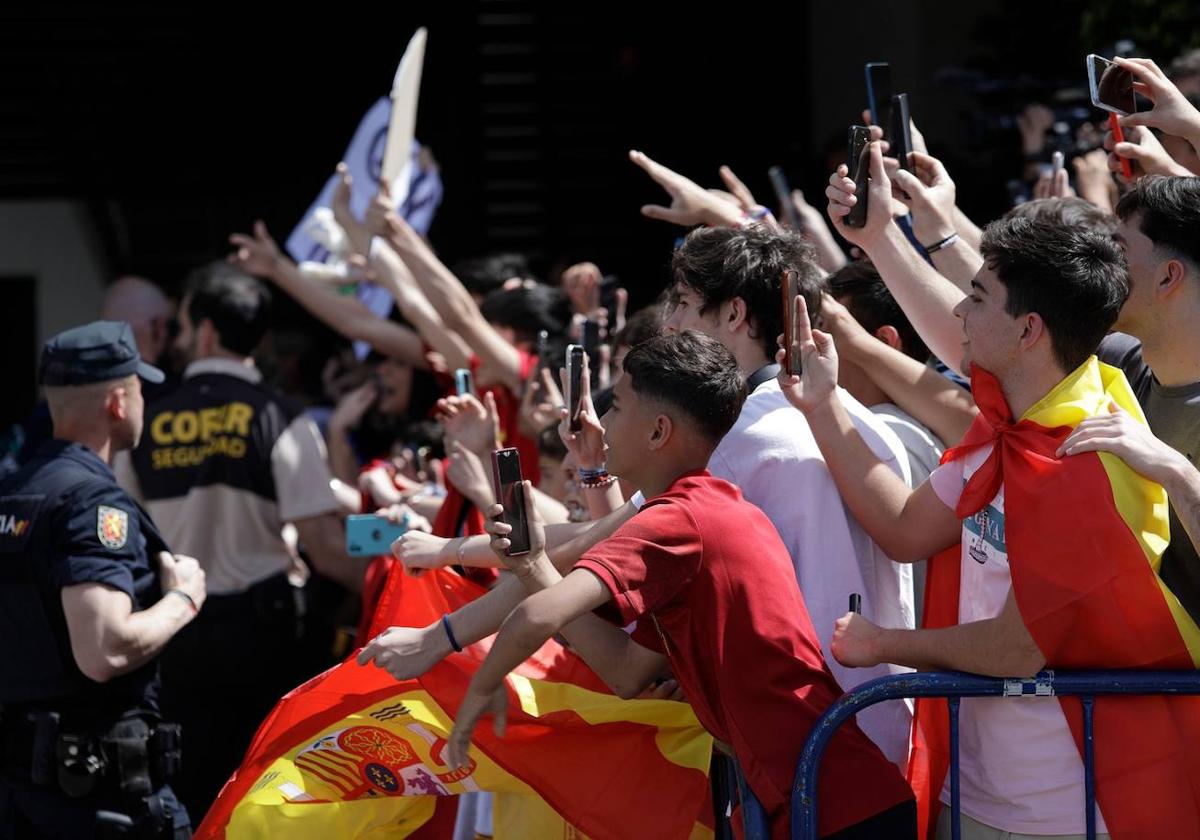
(708, 570)
(508, 410)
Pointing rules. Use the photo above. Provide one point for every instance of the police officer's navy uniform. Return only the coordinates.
(71, 748)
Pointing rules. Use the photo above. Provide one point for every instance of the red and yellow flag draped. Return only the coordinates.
(1085, 537)
(354, 753)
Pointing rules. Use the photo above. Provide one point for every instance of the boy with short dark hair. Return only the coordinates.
(706, 577)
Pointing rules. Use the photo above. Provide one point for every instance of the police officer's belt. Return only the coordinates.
(131, 758)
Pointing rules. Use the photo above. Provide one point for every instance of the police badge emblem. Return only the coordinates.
(112, 526)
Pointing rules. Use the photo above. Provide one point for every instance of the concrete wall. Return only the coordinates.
(53, 242)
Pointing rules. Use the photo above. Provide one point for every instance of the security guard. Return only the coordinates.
(224, 464)
(84, 613)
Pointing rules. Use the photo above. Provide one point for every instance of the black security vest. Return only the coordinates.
(212, 429)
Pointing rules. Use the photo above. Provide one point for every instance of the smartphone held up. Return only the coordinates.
(858, 163)
(1111, 87)
(510, 493)
(791, 358)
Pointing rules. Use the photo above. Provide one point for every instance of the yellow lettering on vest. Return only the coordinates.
(158, 429)
(237, 418)
(185, 427)
(211, 422)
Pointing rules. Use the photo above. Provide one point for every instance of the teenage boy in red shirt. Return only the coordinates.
(711, 587)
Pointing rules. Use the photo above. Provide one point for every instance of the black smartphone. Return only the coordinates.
(591, 337)
(1111, 86)
(859, 163)
(901, 131)
(608, 296)
(855, 602)
(574, 384)
(464, 382)
(790, 288)
(879, 94)
(506, 478)
(783, 197)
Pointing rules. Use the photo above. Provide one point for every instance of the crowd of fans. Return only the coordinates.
(696, 535)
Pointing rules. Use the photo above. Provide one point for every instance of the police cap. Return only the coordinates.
(97, 352)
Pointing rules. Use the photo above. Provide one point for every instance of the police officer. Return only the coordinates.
(89, 596)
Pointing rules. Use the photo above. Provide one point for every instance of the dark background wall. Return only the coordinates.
(177, 123)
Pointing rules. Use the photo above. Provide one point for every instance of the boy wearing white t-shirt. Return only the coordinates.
(727, 284)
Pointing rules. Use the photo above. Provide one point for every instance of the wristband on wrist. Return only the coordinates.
(605, 481)
(462, 546)
(450, 633)
(186, 597)
(940, 244)
(587, 474)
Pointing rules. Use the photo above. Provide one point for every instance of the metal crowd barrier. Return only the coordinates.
(953, 685)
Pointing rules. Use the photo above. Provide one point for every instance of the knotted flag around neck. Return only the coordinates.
(1085, 536)
(354, 753)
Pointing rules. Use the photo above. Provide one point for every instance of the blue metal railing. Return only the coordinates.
(953, 685)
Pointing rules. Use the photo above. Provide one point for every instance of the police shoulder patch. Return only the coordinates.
(112, 526)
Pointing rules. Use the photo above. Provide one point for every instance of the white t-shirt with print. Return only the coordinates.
(771, 455)
(1020, 770)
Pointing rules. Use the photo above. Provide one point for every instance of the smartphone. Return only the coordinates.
(608, 296)
(901, 134)
(591, 337)
(1111, 86)
(790, 287)
(464, 382)
(1112, 90)
(858, 162)
(506, 478)
(424, 456)
(543, 350)
(369, 535)
(783, 197)
(574, 384)
(879, 95)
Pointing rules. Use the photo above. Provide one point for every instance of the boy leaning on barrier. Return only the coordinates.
(707, 579)
(1044, 560)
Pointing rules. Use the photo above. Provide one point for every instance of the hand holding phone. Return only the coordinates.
(464, 382)
(574, 385)
(510, 494)
(858, 162)
(1111, 87)
(370, 535)
(791, 360)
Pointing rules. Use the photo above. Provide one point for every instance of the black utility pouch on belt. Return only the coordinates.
(166, 756)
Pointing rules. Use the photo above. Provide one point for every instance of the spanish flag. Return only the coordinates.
(1085, 536)
(354, 753)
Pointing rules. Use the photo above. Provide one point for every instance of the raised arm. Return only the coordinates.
(926, 296)
(259, 255)
(454, 304)
(918, 389)
(909, 525)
